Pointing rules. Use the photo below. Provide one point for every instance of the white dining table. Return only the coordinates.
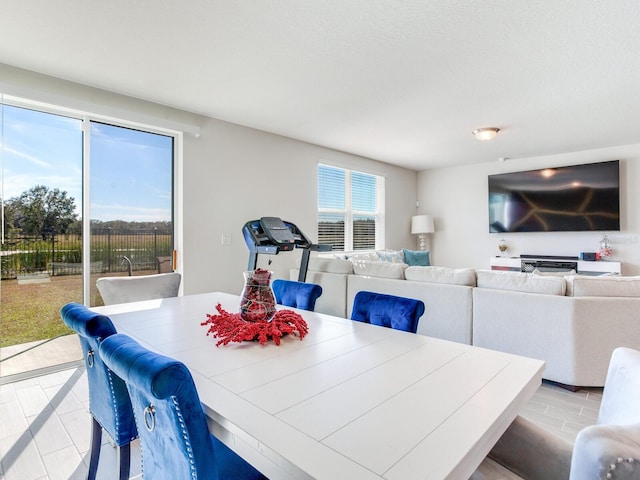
(349, 401)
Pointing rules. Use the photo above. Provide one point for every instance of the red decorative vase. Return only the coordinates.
(257, 303)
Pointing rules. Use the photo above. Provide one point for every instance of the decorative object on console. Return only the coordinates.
(230, 327)
(502, 246)
(257, 302)
(416, 258)
(421, 225)
(605, 248)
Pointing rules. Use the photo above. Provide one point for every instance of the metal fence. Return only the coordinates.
(61, 254)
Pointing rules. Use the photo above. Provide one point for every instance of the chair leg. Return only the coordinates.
(124, 461)
(96, 440)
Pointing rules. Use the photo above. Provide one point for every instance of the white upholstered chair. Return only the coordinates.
(610, 449)
(142, 287)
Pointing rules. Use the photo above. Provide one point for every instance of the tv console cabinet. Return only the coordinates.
(552, 263)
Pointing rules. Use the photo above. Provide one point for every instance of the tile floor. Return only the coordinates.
(45, 429)
(45, 426)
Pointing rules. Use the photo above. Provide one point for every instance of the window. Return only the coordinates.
(350, 209)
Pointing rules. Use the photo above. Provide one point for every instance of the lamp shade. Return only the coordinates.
(422, 224)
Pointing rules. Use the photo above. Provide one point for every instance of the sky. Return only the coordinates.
(130, 171)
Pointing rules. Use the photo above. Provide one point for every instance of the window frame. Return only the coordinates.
(349, 213)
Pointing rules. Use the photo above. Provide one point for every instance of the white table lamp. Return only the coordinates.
(421, 225)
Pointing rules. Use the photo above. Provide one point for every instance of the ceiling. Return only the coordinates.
(401, 81)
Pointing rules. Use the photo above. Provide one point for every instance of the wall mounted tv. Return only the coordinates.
(561, 199)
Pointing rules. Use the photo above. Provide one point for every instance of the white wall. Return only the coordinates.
(231, 175)
(457, 198)
(234, 174)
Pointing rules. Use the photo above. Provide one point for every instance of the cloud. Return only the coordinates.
(30, 158)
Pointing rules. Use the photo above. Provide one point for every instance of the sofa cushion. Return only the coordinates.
(372, 256)
(520, 282)
(603, 286)
(451, 276)
(416, 258)
(379, 269)
(329, 265)
(554, 274)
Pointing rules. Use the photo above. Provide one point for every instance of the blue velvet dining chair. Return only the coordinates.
(174, 435)
(109, 402)
(296, 294)
(389, 311)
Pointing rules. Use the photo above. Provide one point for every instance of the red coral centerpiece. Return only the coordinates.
(230, 327)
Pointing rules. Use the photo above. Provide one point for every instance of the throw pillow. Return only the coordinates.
(520, 282)
(415, 258)
(379, 269)
(393, 256)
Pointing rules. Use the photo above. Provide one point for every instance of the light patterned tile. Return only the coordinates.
(65, 464)
(12, 421)
(32, 400)
(543, 420)
(569, 416)
(55, 379)
(78, 425)
(48, 433)
(20, 458)
(62, 400)
(7, 394)
(491, 470)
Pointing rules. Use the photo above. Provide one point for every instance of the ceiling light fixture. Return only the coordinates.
(485, 134)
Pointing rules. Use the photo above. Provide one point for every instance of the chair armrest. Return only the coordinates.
(532, 452)
(603, 449)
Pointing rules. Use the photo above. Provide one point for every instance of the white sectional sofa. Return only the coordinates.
(572, 322)
(447, 293)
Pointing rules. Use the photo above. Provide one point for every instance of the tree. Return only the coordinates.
(41, 211)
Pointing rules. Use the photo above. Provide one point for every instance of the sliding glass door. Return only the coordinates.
(42, 200)
(57, 171)
(131, 202)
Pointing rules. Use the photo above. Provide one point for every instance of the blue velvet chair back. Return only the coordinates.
(390, 311)
(109, 402)
(174, 436)
(296, 294)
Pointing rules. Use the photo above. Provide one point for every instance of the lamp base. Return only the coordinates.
(422, 241)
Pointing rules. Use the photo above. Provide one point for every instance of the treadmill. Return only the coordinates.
(271, 235)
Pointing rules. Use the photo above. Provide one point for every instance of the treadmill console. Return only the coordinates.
(276, 230)
(271, 235)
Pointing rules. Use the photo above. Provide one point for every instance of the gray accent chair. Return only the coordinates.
(610, 449)
(142, 287)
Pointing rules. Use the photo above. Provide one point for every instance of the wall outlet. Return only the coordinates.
(227, 239)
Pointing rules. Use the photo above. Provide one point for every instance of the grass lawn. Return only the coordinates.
(31, 312)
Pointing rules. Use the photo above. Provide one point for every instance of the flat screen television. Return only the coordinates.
(561, 199)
